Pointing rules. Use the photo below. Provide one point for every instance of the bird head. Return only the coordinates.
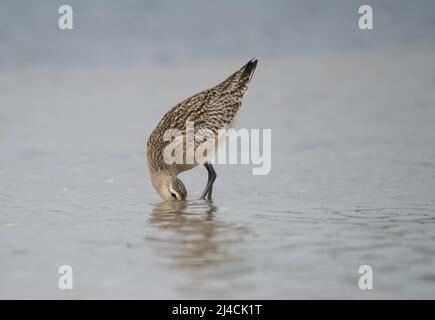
(169, 186)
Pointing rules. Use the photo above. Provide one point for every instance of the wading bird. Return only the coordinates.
(212, 110)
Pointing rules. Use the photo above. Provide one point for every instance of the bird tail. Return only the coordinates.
(244, 76)
(248, 69)
(237, 83)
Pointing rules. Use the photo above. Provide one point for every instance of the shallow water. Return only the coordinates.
(352, 183)
(352, 180)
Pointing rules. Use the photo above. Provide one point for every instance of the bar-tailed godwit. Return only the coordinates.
(213, 109)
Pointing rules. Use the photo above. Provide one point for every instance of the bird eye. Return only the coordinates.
(174, 195)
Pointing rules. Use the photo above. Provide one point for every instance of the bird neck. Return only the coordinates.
(158, 177)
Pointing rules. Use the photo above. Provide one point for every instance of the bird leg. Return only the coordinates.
(211, 178)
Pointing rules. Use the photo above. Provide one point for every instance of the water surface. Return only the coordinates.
(353, 148)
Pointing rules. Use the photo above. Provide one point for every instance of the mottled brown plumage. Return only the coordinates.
(212, 109)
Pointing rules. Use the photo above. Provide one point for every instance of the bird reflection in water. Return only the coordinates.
(192, 237)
